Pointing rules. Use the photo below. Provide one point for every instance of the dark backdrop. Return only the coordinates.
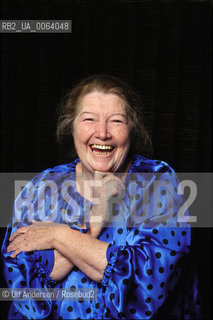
(162, 47)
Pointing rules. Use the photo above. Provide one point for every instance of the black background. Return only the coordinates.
(163, 48)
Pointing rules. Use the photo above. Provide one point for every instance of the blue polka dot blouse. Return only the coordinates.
(147, 275)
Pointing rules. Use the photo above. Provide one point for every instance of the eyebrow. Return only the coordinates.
(87, 112)
(114, 114)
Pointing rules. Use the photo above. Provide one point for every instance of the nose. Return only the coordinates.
(102, 130)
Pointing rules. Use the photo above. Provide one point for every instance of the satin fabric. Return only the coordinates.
(146, 276)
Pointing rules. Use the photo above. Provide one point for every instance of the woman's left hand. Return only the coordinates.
(38, 236)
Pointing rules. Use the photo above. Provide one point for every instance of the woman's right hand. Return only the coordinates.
(107, 190)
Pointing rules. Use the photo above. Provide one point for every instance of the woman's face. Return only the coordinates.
(101, 132)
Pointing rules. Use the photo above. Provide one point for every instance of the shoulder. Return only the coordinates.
(55, 174)
(62, 168)
(142, 164)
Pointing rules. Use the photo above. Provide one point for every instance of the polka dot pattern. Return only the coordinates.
(142, 257)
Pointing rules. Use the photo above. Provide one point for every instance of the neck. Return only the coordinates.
(123, 170)
(83, 177)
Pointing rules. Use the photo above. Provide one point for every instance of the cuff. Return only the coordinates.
(44, 278)
(110, 251)
(111, 254)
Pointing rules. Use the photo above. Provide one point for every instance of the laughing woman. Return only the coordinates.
(107, 222)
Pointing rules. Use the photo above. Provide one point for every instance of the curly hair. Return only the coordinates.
(108, 84)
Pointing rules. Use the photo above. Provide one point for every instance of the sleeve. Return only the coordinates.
(141, 275)
(28, 269)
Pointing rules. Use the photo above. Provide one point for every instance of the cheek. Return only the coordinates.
(123, 138)
(80, 134)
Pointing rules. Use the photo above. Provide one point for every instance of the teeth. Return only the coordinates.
(98, 146)
(100, 152)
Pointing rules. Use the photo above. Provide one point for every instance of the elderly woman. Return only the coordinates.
(109, 218)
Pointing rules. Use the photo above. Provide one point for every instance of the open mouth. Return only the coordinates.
(101, 149)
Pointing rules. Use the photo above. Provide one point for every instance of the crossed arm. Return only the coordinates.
(71, 247)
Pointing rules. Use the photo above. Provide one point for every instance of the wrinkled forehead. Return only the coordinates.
(100, 101)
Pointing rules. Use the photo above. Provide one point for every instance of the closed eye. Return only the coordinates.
(88, 119)
(117, 121)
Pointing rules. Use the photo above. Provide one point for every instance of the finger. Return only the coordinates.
(16, 243)
(23, 247)
(111, 185)
(18, 240)
(114, 191)
(14, 254)
(18, 232)
(108, 178)
(114, 179)
(99, 175)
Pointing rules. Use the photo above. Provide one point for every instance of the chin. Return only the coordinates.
(102, 168)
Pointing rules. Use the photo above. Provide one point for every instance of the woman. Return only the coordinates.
(110, 218)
